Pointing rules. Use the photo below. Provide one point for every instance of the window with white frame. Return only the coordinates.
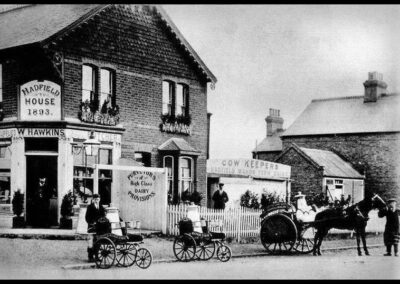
(169, 164)
(88, 83)
(185, 174)
(167, 97)
(106, 87)
(334, 188)
(181, 99)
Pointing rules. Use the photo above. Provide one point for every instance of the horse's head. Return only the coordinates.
(377, 202)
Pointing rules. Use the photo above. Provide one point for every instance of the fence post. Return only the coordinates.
(239, 215)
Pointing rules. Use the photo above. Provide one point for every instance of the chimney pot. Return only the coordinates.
(274, 122)
(374, 87)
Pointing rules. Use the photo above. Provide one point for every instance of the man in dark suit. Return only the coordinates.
(391, 236)
(220, 197)
(93, 213)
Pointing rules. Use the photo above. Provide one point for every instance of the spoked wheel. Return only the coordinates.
(224, 253)
(205, 250)
(143, 258)
(305, 242)
(126, 254)
(278, 234)
(184, 248)
(105, 253)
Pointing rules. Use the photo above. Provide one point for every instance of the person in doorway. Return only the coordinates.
(93, 213)
(220, 197)
(41, 204)
(391, 234)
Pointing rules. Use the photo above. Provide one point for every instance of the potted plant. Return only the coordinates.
(67, 211)
(18, 209)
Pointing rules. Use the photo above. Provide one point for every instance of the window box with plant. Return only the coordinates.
(18, 209)
(176, 124)
(107, 115)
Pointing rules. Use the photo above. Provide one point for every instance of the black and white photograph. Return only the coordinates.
(199, 141)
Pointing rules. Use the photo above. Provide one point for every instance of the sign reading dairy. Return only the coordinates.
(142, 185)
(40, 100)
(248, 167)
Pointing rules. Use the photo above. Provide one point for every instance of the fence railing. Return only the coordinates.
(239, 223)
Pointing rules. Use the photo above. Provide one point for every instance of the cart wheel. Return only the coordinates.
(224, 253)
(184, 248)
(126, 254)
(305, 243)
(143, 258)
(205, 250)
(278, 234)
(105, 253)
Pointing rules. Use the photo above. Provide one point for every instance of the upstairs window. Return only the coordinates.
(88, 83)
(144, 158)
(167, 97)
(106, 87)
(181, 99)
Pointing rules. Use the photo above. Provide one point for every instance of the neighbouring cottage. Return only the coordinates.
(121, 72)
(363, 130)
(314, 171)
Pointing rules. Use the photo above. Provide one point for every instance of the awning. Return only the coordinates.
(178, 145)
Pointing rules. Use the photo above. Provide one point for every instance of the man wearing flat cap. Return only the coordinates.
(220, 197)
(391, 235)
(93, 213)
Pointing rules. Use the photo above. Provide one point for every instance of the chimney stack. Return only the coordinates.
(374, 87)
(274, 122)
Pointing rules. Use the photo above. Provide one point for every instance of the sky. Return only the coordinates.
(282, 57)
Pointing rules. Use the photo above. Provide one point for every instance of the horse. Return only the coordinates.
(355, 219)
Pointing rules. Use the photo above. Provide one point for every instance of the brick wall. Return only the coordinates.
(377, 154)
(266, 156)
(305, 176)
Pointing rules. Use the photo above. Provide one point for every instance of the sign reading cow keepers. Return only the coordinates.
(248, 167)
(40, 100)
(142, 185)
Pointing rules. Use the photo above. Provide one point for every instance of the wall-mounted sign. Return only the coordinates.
(142, 185)
(40, 100)
(248, 167)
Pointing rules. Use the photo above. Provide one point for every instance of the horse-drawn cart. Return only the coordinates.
(285, 227)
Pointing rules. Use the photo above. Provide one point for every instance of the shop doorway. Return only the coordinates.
(41, 191)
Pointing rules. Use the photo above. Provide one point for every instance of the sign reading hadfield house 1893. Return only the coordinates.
(40, 100)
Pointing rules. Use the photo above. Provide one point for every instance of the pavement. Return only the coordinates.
(161, 246)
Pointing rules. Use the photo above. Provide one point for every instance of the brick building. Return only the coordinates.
(363, 130)
(124, 72)
(315, 170)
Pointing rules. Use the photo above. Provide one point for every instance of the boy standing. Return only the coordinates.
(391, 235)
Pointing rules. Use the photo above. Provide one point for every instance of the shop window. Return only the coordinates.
(5, 152)
(5, 192)
(185, 175)
(106, 89)
(1, 83)
(168, 163)
(144, 158)
(83, 174)
(181, 99)
(41, 144)
(88, 83)
(167, 97)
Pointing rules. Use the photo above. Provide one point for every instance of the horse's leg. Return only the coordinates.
(322, 236)
(316, 238)
(364, 241)
(358, 241)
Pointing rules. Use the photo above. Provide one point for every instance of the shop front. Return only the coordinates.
(47, 163)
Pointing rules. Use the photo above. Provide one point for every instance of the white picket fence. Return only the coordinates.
(236, 223)
(239, 223)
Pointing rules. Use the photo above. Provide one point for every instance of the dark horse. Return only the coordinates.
(356, 218)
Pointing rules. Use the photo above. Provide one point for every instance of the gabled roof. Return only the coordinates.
(347, 115)
(332, 164)
(269, 144)
(38, 24)
(179, 145)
